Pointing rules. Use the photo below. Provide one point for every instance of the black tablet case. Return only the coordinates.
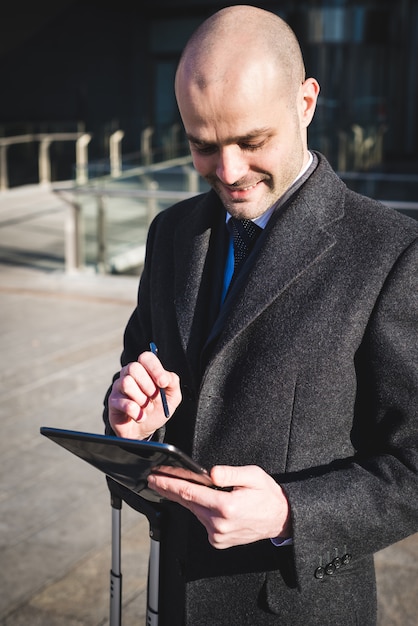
(129, 461)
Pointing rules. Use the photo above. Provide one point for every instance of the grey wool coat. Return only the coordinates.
(309, 370)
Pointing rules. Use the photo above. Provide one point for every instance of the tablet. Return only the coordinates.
(129, 461)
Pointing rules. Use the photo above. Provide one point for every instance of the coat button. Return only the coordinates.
(319, 572)
(337, 562)
(346, 559)
(330, 569)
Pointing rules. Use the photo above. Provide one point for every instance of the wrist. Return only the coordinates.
(285, 531)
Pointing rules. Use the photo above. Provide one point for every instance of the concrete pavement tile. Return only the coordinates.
(63, 544)
(397, 576)
(29, 615)
(82, 596)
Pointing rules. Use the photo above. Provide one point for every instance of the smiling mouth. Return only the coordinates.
(241, 191)
(240, 188)
(243, 188)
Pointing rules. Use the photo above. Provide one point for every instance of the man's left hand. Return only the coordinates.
(256, 508)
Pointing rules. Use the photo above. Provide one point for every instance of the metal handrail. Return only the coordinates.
(82, 139)
(44, 162)
(74, 256)
(74, 248)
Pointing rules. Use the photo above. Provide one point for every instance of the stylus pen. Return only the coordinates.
(154, 350)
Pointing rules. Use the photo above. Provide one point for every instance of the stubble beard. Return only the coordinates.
(240, 209)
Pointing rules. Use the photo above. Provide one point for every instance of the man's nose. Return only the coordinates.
(232, 166)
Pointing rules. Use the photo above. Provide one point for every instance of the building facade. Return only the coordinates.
(364, 55)
(104, 66)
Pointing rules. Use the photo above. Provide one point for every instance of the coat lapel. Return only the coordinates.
(199, 243)
(294, 239)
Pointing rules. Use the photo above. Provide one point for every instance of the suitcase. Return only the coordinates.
(153, 516)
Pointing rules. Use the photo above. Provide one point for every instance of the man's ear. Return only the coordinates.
(309, 92)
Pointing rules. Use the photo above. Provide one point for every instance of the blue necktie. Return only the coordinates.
(244, 235)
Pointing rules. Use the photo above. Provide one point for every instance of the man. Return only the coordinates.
(296, 381)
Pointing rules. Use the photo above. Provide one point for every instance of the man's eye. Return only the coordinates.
(204, 149)
(251, 147)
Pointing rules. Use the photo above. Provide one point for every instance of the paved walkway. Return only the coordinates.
(60, 340)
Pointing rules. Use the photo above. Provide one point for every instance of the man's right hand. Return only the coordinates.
(135, 406)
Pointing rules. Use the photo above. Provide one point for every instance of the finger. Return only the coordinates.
(127, 399)
(138, 391)
(165, 381)
(185, 492)
(152, 364)
(135, 374)
(121, 407)
(230, 476)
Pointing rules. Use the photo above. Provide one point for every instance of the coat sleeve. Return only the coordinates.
(357, 506)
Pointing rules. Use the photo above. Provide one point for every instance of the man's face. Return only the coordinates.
(246, 140)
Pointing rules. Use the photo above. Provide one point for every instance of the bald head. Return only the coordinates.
(241, 39)
(246, 106)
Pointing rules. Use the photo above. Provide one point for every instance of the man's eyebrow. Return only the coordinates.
(254, 134)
